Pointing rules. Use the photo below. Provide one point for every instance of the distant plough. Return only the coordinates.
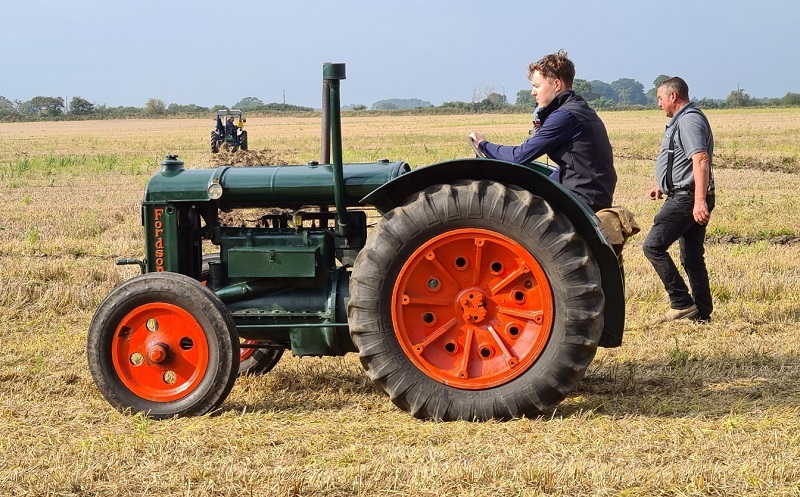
(246, 158)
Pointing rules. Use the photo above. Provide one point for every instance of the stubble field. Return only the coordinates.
(679, 409)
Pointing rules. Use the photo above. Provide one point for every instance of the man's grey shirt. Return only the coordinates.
(693, 136)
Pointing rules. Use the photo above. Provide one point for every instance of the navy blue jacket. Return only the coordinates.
(574, 137)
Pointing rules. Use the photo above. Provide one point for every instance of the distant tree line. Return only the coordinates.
(399, 104)
(624, 93)
(54, 107)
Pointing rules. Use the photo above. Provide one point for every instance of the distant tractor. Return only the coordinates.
(229, 131)
(482, 292)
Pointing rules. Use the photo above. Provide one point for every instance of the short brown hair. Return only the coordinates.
(677, 85)
(556, 65)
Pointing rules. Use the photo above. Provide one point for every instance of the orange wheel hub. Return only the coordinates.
(160, 352)
(472, 308)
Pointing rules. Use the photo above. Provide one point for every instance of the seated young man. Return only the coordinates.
(571, 134)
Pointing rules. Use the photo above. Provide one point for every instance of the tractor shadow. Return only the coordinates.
(712, 387)
(307, 384)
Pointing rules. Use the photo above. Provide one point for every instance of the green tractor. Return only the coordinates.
(482, 292)
(229, 131)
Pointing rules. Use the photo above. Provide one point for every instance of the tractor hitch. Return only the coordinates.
(128, 262)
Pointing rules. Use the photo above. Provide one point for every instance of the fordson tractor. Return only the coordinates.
(482, 292)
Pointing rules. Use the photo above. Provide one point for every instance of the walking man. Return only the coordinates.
(684, 174)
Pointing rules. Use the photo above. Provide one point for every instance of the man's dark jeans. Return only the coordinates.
(675, 222)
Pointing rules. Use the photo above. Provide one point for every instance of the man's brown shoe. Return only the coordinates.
(675, 314)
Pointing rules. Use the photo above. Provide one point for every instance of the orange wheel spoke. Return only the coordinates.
(479, 243)
(463, 373)
(472, 308)
(535, 316)
(522, 269)
(511, 359)
(425, 301)
(443, 270)
(436, 335)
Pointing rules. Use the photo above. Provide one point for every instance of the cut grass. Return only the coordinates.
(679, 409)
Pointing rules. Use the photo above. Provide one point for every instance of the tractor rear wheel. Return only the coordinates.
(243, 140)
(215, 141)
(164, 345)
(475, 301)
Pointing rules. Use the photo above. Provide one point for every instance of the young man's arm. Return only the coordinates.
(558, 129)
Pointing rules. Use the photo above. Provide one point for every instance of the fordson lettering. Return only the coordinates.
(158, 226)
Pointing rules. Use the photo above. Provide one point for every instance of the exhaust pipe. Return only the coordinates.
(332, 74)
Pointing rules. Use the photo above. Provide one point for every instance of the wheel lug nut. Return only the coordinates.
(157, 353)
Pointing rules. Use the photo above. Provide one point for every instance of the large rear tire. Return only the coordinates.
(164, 345)
(243, 140)
(475, 301)
(215, 141)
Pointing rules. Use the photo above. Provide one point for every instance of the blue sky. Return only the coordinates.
(124, 52)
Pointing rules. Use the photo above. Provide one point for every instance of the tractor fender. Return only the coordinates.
(534, 178)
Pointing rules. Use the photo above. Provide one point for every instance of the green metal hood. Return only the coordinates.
(268, 186)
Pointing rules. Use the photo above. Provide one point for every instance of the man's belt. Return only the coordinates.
(687, 192)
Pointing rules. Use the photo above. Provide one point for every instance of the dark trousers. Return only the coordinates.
(675, 222)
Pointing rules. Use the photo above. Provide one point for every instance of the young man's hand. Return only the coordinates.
(477, 137)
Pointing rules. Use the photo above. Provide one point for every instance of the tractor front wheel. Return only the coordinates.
(164, 345)
(475, 301)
